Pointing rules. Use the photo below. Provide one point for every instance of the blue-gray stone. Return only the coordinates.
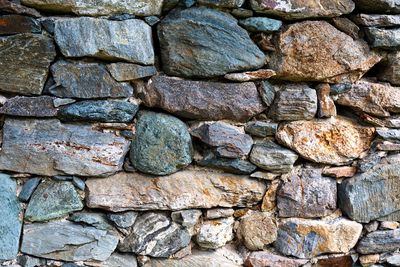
(99, 110)
(189, 3)
(10, 222)
(261, 24)
(261, 128)
(340, 88)
(95, 219)
(79, 183)
(202, 42)
(238, 166)
(267, 92)
(28, 188)
(152, 20)
(162, 144)
(123, 219)
(383, 38)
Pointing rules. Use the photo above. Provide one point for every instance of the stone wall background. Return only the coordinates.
(199, 133)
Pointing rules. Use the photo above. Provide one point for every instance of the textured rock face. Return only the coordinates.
(24, 62)
(260, 24)
(379, 241)
(41, 106)
(304, 238)
(333, 141)
(215, 233)
(363, 197)
(266, 258)
(377, 20)
(190, 38)
(126, 71)
(128, 40)
(298, 56)
(16, 8)
(380, 6)
(237, 166)
(384, 38)
(98, 8)
(47, 147)
(194, 188)
(162, 144)
(14, 24)
(391, 69)
(222, 3)
(261, 128)
(297, 9)
(203, 100)
(48, 240)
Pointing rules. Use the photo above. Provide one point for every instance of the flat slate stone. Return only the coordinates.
(16, 8)
(82, 243)
(384, 38)
(260, 24)
(24, 63)
(222, 3)
(40, 106)
(377, 20)
(10, 223)
(238, 166)
(129, 40)
(189, 38)
(213, 234)
(28, 188)
(390, 71)
(267, 258)
(378, 6)
(192, 188)
(379, 242)
(261, 128)
(48, 147)
(95, 219)
(203, 100)
(127, 72)
(14, 24)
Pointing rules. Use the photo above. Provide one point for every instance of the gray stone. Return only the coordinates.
(272, 157)
(50, 241)
(189, 38)
(28, 261)
(379, 242)
(99, 110)
(78, 183)
(388, 134)
(267, 92)
(123, 219)
(14, 24)
(52, 200)
(203, 100)
(10, 223)
(162, 144)
(383, 38)
(58, 102)
(237, 166)
(217, 213)
(127, 72)
(28, 188)
(261, 128)
(260, 24)
(390, 71)
(96, 219)
(154, 234)
(86, 80)
(152, 20)
(41, 106)
(129, 40)
(186, 218)
(377, 20)
(267, 258)
(16, 8)
(394, 260)
(227, 140)
(222, 3)
(242, 13)
(24, 63)
(215, 233)
(48, 147)
(120, 260)
(305, 193)
(378, 6)
(340, 88)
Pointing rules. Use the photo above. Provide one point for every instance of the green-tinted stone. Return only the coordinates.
(260, 24)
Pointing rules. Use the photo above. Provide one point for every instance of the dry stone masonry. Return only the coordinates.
(199, 133)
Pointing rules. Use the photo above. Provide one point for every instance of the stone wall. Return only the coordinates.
(208, 133)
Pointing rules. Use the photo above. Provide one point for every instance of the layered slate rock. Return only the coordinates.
(53, 199)
(364, 197)
(298, 54)
(304, 238)
(305, 193)
(384, 38)
(127, 72)
(378, 6)
(24, 63)
(16, 8)
(162, 144)
(222, 3)
(379, 242)
(297, 9)
(14, 24)
(193, 188)
(261, 24)
(48, 147)
(98, 8)
(238, 166)
(40, 106)
(203, 100)
(154, 234)
(261, 128)
(267, 258)
(129, 40)
(391, 69)
(377, 20)
(378, 99)
(10, 224)
(48, 240)
(334, 141)
(215, 233)
(79, 79)
(202, 42)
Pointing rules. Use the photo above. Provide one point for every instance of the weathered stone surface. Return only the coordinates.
(304, 238)
(222, 3)
(228, 141)
(86, 80)
(266, 258)
(378, 6)
(95, 219)
(98, 8)
(129, 40)
(120, 260)
(260, 24)
(383, 38)
(369, 260)
(379, 241)
(261, 128)
(28, 188)
(186, 218)
(297, 9)
(189, 38)
(340, 88)
(394, 260)
(14, 24)
(305, 193)
(203, 100)
(52, 199)
(336, 261)
(192, 188)
(378, 99)
(15, 8)
(364, 197)
(10, 223)
(123, 219)
(390, 71)
(269, 199)
(377, 20)
(347, 26)
(298, 54)
(217, 213)
(272, 157)
(41, 106)
(326, 106)
(49, 240)
(24, 63)
(162, 144)
(388, 134)
(261, 74)
(99, 110)
(154, 234)
(48, 147)
(294, 103)
(267, 92)
(237, 166)
(257, 230)
(340, 172)
(332, 141)
(215, 233)
(127, 72)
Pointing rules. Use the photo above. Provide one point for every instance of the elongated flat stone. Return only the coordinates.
(14, 24)
(40, 106)
(377, 20)
(378, 6)
(127, 72)
(48, 147)
(192, 188)
(384, 38)
(379, 242)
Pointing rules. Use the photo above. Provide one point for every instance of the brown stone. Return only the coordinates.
(346, 26)
(334, 141)
(326, 106)
(250, 75)
(340, 172)
(317, 51)
(269, 200)
(368, 260)
(13, 24)
(203, 100)
(377, 20)
(41, 106)
(266, 258)
(390, 71)
(264, 41)
(14, 8)
(335, 261)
